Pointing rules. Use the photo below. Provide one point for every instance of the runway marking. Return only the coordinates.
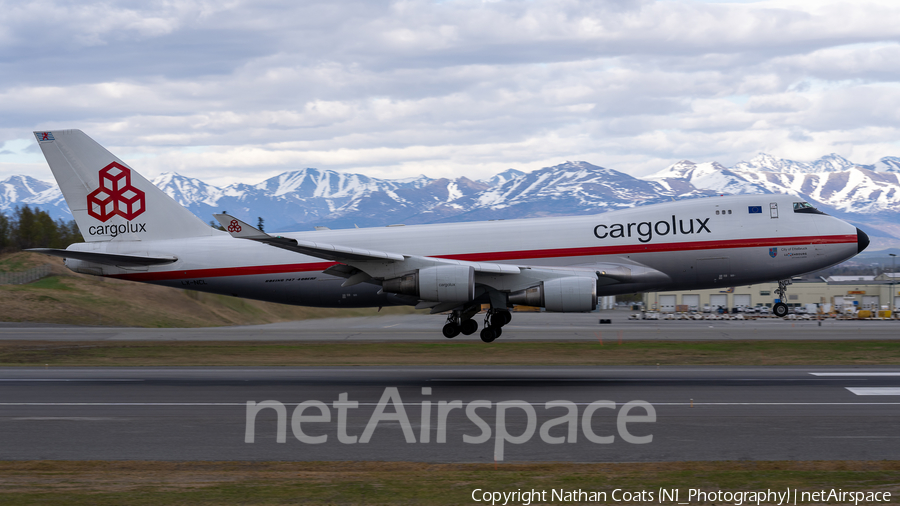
(855, 373)
(416, 404)
(855, 437)
(623, 380)
(67, 379)
(875, 390)
(126, 403)
(394, 325)
(66, 418)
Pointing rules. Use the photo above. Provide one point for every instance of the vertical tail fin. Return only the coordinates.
(109, 199)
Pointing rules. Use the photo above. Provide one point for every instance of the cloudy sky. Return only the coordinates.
(242, 90)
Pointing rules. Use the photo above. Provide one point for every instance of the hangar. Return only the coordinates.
(865, 292)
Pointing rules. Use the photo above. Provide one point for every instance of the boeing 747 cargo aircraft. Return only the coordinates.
(134, 231)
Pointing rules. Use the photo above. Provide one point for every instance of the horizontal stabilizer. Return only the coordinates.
(105, 258)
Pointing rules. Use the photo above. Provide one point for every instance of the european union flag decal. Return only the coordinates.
(755, 209)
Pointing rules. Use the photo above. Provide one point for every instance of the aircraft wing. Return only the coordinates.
(240, 230)
(106, 258)
(356, 257)
(359, 265)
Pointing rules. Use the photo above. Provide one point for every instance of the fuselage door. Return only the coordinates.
(773, 210)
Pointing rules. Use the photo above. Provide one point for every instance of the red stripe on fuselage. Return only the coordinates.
(495, 256)
(649, 248)
(249, 270)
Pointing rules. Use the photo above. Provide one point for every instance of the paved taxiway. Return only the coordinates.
(201, 413)
(525, 326)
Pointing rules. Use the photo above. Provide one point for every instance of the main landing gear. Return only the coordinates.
(453, 329)
(461, 322)
(493, 324)
(780, 309)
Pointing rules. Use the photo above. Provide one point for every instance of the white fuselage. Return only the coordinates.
(696, 243)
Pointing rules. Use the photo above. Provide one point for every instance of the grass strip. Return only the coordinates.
(314, 483)
(230, 353)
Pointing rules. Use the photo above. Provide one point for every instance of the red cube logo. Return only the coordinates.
(101, 204)
(115, 196)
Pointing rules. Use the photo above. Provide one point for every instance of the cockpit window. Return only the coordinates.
(806, 207)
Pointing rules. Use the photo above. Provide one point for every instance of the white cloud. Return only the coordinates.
(235, 90)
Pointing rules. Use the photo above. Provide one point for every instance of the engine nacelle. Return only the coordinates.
(563, 295)
(443, 283)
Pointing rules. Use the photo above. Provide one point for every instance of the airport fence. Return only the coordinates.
(20, 278)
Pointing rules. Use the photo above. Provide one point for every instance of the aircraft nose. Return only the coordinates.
(862, 241)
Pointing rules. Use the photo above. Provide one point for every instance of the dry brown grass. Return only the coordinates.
(281, 353)
(133, 482)
(70, 298)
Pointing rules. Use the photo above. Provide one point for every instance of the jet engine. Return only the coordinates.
(443, 283)
(563, 295)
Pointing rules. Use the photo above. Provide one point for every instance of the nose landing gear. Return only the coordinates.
(780, 309)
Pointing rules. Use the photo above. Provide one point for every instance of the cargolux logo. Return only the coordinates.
(644, 230)
(234, 227)
(115, 196)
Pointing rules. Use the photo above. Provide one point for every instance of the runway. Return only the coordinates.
(524, 327)
(687, 413)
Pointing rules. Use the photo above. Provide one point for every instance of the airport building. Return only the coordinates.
(863, 292)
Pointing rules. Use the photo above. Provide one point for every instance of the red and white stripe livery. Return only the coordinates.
(136, 232)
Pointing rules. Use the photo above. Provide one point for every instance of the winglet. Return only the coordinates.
(239, 229)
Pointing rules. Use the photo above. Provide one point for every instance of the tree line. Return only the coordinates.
(34, 228)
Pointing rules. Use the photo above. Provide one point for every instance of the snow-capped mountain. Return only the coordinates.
(25, 190)
(868, 195)
(887, 164)
(310, 197)
(685, 175)
(768, 163)
(569, 188)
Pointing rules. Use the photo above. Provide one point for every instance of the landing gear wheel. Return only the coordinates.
(450, 330)
(502, 318)
(468, 327)
(497, 318)
(497, 332)
(780, 309)
(488, 335)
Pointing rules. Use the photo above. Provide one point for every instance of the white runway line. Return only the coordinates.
(66, 379)
(66, 418)
(124, 403)
(855, 373)
(875, 390)
(416, 404)
(855, 437)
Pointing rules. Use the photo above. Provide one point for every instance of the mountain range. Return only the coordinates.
(866, 195)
